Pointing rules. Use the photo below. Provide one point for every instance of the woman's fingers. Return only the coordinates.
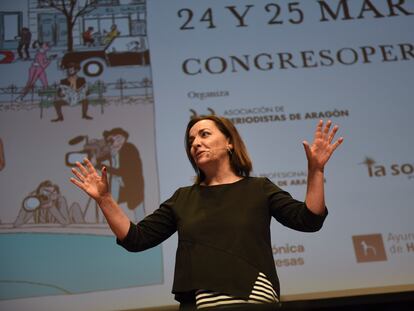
(326, 133)
(89, 165)
(337, 143)
(77, 183)
(322, 147)
(104, 175)
(327, 127)
(78, 174)
(307, 149)
(81, 168)
(318, 131)
(332, 134)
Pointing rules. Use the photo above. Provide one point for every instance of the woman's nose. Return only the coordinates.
(195, 143)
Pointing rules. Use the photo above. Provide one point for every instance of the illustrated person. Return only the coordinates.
(72, 91)
(50, 207)
(25, 39)
(134, 46)
(224, 256)
(87, 37)
(112, 34)
(37, 70)
(126, 180)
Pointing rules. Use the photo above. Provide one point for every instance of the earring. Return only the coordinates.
(230, 152)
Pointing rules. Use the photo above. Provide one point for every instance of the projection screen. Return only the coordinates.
(273, 67)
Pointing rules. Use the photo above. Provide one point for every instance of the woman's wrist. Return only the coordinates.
(107, 197)
(315, 171)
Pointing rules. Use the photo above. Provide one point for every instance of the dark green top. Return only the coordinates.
(223, 234)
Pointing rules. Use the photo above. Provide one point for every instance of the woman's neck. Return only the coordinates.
(220, 178)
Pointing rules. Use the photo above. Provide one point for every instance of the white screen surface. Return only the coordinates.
(275, 69)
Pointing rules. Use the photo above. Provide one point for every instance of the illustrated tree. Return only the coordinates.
(72, 10)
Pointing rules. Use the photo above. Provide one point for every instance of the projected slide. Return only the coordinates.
(65, 95)
(275, 68)
(119, 86)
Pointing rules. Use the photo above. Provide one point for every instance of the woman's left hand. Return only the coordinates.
(322, 147)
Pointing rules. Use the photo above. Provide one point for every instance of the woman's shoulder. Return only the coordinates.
(265, 184)
(250, 181)
(182, 191)
(259, 180)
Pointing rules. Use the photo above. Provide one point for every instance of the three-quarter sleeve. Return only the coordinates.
(153, 229)
(289, 211)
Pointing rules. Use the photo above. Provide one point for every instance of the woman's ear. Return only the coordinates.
(230, 148)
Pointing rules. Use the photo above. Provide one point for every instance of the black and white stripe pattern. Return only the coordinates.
(262, 292)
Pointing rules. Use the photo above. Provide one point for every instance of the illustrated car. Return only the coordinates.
(121, 51)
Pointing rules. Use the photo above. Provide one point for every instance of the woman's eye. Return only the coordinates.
(204, 134)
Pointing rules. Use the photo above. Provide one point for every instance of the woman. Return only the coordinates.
(37, 70)
(224, 256)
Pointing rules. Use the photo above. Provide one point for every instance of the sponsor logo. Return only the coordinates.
(270, 114)
(375, 169)
(369, 248)
(195, 114)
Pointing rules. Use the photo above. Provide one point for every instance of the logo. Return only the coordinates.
(395, 169)
(195, 114)
(369, 248)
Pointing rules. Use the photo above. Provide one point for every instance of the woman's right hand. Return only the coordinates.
(88, 179)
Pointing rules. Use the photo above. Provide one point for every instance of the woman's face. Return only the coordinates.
(208, 144)
(45, 46)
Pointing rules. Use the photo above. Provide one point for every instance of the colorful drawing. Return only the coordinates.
(120, 51)
(125, 171)
(47, 205)
(85, 63)
(25, 38)
(71, 92)
(123, 163)
(37, 70)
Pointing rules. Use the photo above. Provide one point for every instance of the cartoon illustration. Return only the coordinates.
(134, 46)
(125, 171)
(87, 37)
(121, 51)
(71, 12)
(96, 150)
(78, 32)
(123, 163)
(53, 58)
(2, 159)
(37, 70)
(47, 205)
(6, 57)
(25, 39)
(111, 35)
(72, 91)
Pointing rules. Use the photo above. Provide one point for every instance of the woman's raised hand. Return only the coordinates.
(322, 146)
(88, 179)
